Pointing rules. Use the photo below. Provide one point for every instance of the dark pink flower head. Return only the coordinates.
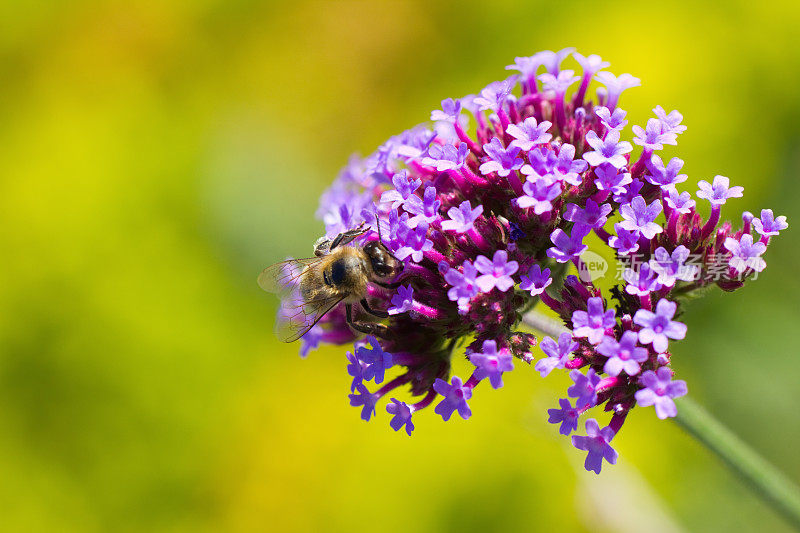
(489, 210)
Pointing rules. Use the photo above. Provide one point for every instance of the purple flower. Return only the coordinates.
(611, 121)
(768, 225)
(310, 341)
(670, 123)
(639, 217)
(376, 359)
(340, 210)
(402, 300)
(718, 192)
(592, 215)
(680, 202)
(414, 243)
(652, 137)
(608, 150)
(658, 327)
(593, 322)
(355, 368)
(527, 66)
(491, 364)
(558, 83)
(631, 191)
(365, 399)
(671, 267)
(462, 217)
(665, 176)
(539, 194)
(536, 280)
(615, 85)
(626, 242)
(496, 273)
(455, 398)
(450, 111)
(567, 416)
(609, 178)
(590, 64)
(424, 209)
(403, 189)
(446, 156)
(402, 416)
(412, 143)
(746, 254)
(557, 354)
(568, 247)
(565, 168)
(552, 60)
(623, 356)
(528, 133)
(660, 391)
(502, 160)
(464, 285)
(467, 237)
(585, 388)
(641, 282)
(493, 96)
(561, 166)
(596, 442)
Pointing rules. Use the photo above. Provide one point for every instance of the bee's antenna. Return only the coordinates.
(378, 224)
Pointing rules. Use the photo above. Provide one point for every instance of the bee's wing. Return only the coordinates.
(296, 317)
(283, 278)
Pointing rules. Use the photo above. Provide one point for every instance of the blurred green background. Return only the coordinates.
(155, 156)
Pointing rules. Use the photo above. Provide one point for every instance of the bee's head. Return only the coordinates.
(383, 263)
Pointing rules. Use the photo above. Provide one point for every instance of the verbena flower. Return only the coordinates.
(490, 209)
(567, 416)
(660, 390)
(596, 442)
(557, 353)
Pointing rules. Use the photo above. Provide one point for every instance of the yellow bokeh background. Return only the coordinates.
(155, 155)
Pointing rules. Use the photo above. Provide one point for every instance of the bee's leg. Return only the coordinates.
(369, 328)
(347, 236)
(376, 312)
(322, 246)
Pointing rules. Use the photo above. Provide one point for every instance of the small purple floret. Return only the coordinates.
(402, 300)
(496, 273)
(596, 442)
(593, 322)
(660, 391)
(402, 416)
(455, 398)
(536, 280)
(658, 327)
(491, 363)
(567, 416)
(623, 356)
(584, 389)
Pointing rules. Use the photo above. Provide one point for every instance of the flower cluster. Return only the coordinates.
(492, 205)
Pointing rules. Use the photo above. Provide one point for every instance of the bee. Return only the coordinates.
(310, 288)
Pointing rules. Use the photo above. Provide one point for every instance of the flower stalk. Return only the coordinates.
(761, 476)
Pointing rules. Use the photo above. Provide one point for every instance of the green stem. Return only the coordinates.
(778, 491)
(769, 483)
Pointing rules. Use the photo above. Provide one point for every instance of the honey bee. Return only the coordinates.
(310, 288)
